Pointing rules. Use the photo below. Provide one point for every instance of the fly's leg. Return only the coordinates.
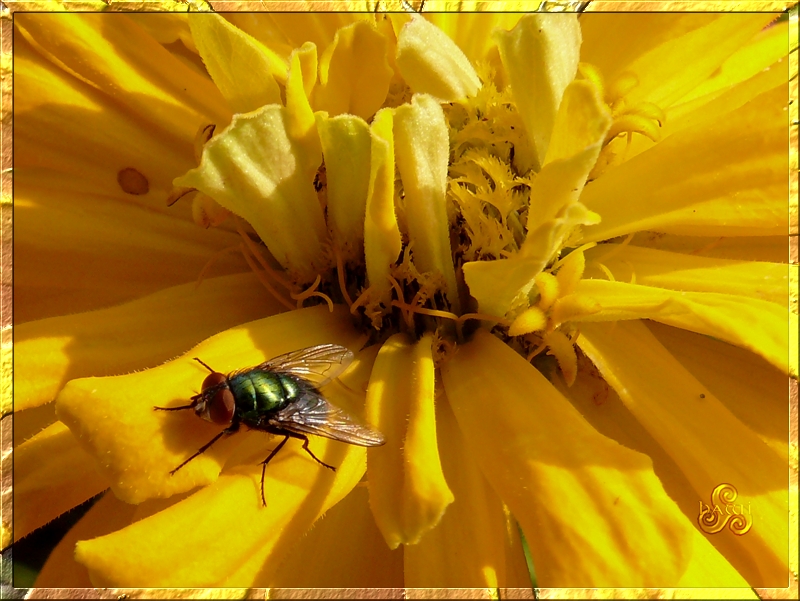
(266, 461)
(307, 450)
(202, 449)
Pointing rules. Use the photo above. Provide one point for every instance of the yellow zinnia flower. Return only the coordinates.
(557, 247)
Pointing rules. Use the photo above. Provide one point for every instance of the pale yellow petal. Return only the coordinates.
(422, 151)
(769, 249)
(540, 56)
(408, 492)
(139, 334)
(240, 66)
(137, 447)
(628, 532)
(382, 241)
(354, 72)
(269, 187)
(431, 63)
(346, 145)
(666, 399)
(754, 324)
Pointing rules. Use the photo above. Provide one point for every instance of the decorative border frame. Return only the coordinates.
(6, 265)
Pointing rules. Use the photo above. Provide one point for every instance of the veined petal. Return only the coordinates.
(661, 394)
(269, 186)
(671, 54)
(540, 56)
(346, 146)
(132, 251)
(468, 548)
(139, 334)
(422, 150)
(472, 34)
(114, 420)
(319, 28)
(300, 122)
(61, 570)
(408, 493)
(431, 63)
(768, 249)
(749, 387)
(757, 325)
(97, 138)
(240, 66)
(344, 549)
(52, 474)
(136, 71)
(556, 211)
(153, 552)
(681, 182)
(382, 241)
(686, 272)
(624, 507)
(354, 72)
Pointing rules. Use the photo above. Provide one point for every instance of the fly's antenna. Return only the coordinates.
(205, 365)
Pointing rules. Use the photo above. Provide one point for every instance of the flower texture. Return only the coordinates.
(557, 247)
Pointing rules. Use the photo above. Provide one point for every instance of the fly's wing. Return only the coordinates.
(313, 414)
(319, 364)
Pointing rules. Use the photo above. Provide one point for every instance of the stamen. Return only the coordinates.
(312, 291)
(537, 351)
(708, 247)
(257, 254)
(617, 249)
(606, 270)
(264, 280)
(399, 292)
(340, 273)
(214, 258)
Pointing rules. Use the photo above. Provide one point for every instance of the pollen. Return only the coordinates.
(133, 181)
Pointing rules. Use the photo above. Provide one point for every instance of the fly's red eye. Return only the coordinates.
(221, 407)
(213, 380)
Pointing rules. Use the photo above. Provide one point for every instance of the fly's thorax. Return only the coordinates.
(259, 392)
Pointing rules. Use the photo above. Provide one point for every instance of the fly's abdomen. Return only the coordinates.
(260, 392)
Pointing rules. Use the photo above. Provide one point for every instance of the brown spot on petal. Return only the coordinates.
(132, 181)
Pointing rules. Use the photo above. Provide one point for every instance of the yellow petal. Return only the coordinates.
(63, 124)
(344, 549)
(239, 65)
(320, 28)
(649, 267)
(473, 33)
(468, 548)
(749, 387)
(422, 149)
(665, 398)
(684, 184)
(432, 64)
(408, 493)
(346, 145)
(120, 59)
(540, 56)
(61, 570)
(78, 252)
(153, 552)
(52, 475)
(628, 532)
(139, 334)
(582, 121)
(354, 72)
(768, 249)
(137, 447)
(671, 54)
(756, 325)
(300, 122)
(382, 241)
(530, 320)
(255, 169)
